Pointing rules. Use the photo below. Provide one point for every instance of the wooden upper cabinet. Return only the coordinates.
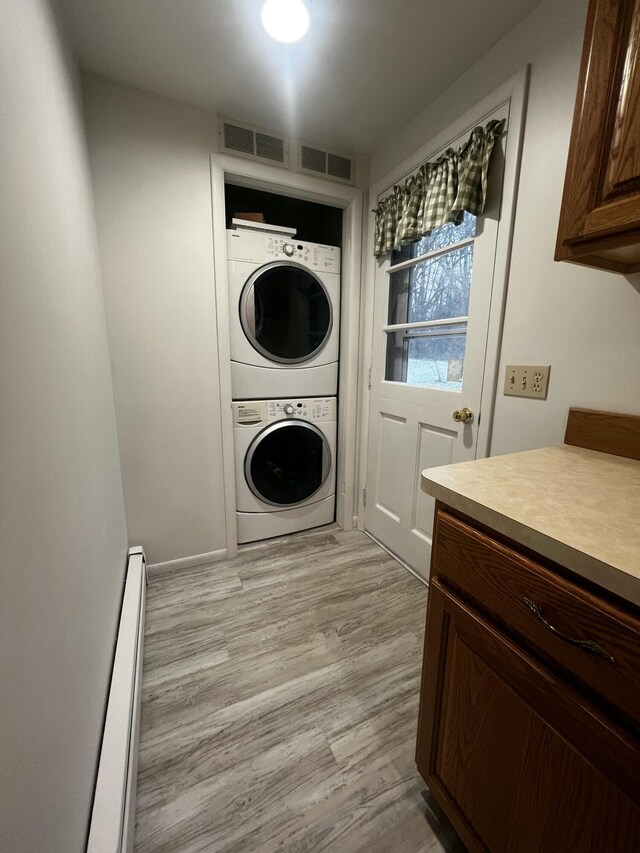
(600, 216)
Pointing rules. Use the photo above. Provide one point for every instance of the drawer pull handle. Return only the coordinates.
(588, 645)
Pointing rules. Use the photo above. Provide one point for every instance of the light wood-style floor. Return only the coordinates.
(280, 702)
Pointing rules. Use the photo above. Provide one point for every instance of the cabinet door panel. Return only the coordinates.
(509, 769)
(600, 216)
(623, 172)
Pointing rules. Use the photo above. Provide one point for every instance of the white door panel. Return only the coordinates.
(435, 447)
(398, 512)
(388, 488)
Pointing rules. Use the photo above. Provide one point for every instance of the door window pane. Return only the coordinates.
(432, 357)
(447, 235)
(291, 311)
(432, 290)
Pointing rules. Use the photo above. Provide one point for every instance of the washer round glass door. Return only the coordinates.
(287, 463)
(285, 312)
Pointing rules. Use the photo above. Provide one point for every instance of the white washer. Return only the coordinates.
(285, 452)
(284, 306)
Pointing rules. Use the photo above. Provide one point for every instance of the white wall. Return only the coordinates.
(150, 164)
(583, 322)
(62, 530)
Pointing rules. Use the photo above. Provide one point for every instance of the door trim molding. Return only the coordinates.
(514, 93)
(349, 199)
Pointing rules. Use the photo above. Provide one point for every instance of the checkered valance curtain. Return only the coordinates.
(438, 192)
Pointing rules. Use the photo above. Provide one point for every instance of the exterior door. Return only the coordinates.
(431, 315)
(285, 313)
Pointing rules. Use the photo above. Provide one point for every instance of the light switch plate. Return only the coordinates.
(527, 380)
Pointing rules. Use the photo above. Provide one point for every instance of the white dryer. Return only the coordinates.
(285, 316)
(285, 461)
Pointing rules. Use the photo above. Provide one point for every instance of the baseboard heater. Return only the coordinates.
(113, 814)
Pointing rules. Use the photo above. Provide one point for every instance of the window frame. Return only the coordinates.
(392, 328)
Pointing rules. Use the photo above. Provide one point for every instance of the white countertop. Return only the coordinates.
(577, 507)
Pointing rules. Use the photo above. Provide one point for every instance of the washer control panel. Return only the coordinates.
(253, 413)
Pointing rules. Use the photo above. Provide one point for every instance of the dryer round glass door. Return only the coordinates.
(285, 312)
(287, 463)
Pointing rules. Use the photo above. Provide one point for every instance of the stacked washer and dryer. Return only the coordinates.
(284, 310)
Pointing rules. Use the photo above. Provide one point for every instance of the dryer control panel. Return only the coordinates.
(263, 248)
(312, 255)
(257, 412)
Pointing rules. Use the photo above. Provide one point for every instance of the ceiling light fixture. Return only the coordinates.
(285, 20)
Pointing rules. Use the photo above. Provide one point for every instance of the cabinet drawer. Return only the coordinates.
(545, 610)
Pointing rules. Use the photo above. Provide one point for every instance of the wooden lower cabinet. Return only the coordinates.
(517, 758)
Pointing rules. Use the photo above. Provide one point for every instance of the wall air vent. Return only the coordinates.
(243, 140)
(339, 167)
(327, 164)
(239, 139)
(254, 143)
(270, 147)
(313, 160)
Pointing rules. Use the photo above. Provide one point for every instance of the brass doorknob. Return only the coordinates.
(463, 416)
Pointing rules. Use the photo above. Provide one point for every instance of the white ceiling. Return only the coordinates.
(365, 68)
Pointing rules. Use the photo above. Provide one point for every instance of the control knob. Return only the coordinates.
(288, 409)
(288, 249)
